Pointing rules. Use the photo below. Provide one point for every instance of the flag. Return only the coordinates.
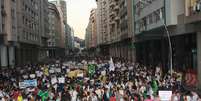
(112, 67)
(91, 69)
(154, 87)
(43, 95)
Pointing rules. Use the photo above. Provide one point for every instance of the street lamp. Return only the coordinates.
(169, 40)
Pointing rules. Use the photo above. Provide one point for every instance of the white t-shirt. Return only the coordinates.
(74, 95)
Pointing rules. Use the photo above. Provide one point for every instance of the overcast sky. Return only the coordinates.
(78, 15)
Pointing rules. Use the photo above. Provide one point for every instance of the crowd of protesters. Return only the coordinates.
(105, 81)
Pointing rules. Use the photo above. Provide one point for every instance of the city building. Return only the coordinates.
(32, 29)
(91, 32)
(88, 35)
(8, 32)
(62, 5)
(187, 38)
(103, 34)
(152, 17)
(121, 29)
(69, 39)
(69, 32)
(43, 28)
(56, 32)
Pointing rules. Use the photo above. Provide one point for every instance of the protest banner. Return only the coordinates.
(165, 95)
(28, 83)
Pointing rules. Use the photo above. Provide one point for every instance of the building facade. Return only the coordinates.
(43, 28)
(103, 35)
(32, 30)
(62, 5)
(188, 52)
(91, 32)
(122, 33)
(56, 32)
(115, 28)
(8, 29)
(152, 17)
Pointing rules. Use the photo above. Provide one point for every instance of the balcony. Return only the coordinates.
(112, 14)
(117, 18)
(116, 8)
(112, 4)
(193, 16)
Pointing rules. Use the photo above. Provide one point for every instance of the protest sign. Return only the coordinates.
(32, 76)
(25, 76)
(54, 80)
(61, 80)
(58, 70)
(51, 71)
(80, 75)
(28, 83)
(165, 95)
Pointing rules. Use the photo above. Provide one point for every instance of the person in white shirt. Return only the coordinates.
(74, 95)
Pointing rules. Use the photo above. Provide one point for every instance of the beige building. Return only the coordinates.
(103, 21)
(61, 4)
(43, 28)
(91, 30)
(121, 29)
(93, 20)
(31, 30)
(56, 33)
(8, 32)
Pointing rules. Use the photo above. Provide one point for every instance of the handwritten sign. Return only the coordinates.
(28, 83)
(165, 95)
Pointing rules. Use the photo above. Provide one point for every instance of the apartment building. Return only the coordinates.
(43, 28)
(103, 34)
(62, 5)
(152, 17)
(8, 32)
(56, 33)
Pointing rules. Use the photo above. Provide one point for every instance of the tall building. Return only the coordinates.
(91, 32)
(31, 29)
(93, 19)
(151, 19)
(43, 28)
(187, 38)
(56, 33)
(103, 26)
(8, 32)
(62, 5)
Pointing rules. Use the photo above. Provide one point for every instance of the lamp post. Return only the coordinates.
(169, 40)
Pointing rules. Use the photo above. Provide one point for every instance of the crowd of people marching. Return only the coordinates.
(96, 80)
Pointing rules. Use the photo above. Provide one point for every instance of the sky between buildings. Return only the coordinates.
(78, 12)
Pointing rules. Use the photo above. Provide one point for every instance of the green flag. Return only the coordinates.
(91, 69)
(154, 87)
(43, 95)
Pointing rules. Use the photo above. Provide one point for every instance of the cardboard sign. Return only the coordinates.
(58, 70)
(80, 75)
(61, 80)
(165, 95)
(51, 71)
(54, 80)
(32, 76)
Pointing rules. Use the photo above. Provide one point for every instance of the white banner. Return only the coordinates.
(165, 95)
